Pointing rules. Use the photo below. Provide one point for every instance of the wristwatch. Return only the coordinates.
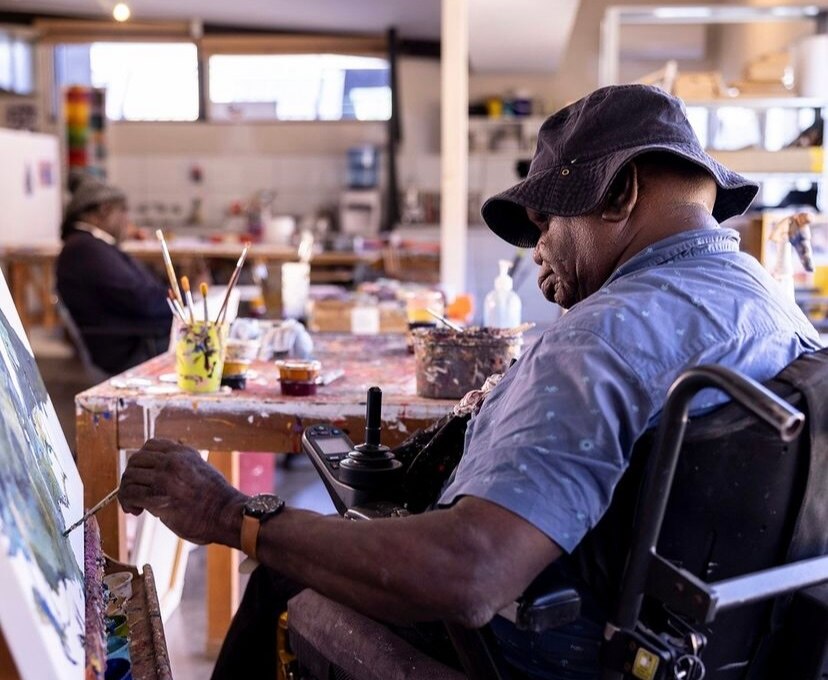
(256, 511)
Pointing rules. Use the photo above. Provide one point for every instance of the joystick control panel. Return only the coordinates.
(354, 475)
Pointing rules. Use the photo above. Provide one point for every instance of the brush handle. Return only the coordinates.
(169, 265)
(233, 279)
(175, 312)
(190, 305)
(106, 500)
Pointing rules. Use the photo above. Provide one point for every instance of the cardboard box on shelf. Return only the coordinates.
(334, 316)
(796, 160)
(699, 85)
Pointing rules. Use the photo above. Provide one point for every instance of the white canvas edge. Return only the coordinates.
(32, 643)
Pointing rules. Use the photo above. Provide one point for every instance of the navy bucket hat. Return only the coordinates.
(582, 148)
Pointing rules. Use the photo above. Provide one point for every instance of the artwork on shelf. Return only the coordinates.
(41, 572)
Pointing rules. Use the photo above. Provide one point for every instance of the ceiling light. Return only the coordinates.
(121, 12)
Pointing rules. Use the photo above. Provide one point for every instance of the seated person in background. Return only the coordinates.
(118, 304)
(622, 208)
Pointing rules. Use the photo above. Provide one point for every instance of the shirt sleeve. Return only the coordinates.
(553, 439)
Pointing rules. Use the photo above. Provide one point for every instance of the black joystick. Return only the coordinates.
(371, 464)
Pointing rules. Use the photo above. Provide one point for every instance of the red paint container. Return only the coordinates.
(298, 388)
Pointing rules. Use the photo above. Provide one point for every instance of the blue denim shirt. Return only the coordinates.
(554, 437)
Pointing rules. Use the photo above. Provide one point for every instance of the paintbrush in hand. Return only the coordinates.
(188, 296)
(106, 500)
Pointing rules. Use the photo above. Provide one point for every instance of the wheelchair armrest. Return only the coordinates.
(538, 610)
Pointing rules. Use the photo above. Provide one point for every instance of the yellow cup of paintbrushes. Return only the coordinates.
(200, 350)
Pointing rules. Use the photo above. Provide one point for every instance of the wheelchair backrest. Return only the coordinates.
(742, 500)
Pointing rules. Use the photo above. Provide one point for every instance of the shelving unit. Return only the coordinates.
(616, 17)
(789, 164)
(758, 163)
(758, 102)
(518, 134)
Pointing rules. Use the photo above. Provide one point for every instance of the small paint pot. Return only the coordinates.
(240, 354)
(299, 370)
(117, 648)
(115, 607)
(113, 622)
(119, 584)
(118, 669)
(298, 388)
(122, 630)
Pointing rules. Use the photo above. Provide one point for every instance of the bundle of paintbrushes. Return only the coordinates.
(182, 305)
(201, 343)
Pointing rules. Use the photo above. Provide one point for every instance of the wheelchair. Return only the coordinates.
(711, 561)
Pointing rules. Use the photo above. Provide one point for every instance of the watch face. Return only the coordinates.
(263, 505)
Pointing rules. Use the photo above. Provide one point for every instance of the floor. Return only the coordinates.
(297, 483)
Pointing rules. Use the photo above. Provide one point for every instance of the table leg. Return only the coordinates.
(47, 285)
(222, 567)
(98, 464)
(18, 284)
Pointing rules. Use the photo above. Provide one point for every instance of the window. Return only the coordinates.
(143, 81)
(16, 65)
(299, 87)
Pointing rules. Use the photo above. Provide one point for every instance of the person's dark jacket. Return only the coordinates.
(118, 304)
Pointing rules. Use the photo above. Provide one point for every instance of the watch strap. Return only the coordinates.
(250, 535)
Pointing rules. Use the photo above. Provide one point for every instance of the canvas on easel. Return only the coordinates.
(42, 619)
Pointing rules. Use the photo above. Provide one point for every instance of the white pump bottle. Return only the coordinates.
(502, 308)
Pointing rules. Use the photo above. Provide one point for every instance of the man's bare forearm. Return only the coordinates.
(426, 567)
(459, 564)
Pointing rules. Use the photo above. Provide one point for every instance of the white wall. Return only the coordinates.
(30, 193)
(303, 162)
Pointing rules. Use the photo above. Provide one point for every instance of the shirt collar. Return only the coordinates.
(692, 242)
(97, 233)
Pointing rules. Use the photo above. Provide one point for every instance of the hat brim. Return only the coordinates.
(580, 187)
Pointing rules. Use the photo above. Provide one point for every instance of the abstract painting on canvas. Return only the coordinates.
(41, 572)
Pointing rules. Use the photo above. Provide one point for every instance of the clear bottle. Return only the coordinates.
(365, 316)
(502, 308)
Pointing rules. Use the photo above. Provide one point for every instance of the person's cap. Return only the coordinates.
(582, 148)
(91, 192)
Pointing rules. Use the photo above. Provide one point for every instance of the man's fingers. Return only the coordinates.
(142, 476)
(131, 509)
(146, 459)
(135, 497)
(161, 445)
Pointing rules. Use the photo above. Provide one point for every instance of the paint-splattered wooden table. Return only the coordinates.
(124, 412)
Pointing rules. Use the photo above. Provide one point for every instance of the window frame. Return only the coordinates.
(209, 42)
(210, 104)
